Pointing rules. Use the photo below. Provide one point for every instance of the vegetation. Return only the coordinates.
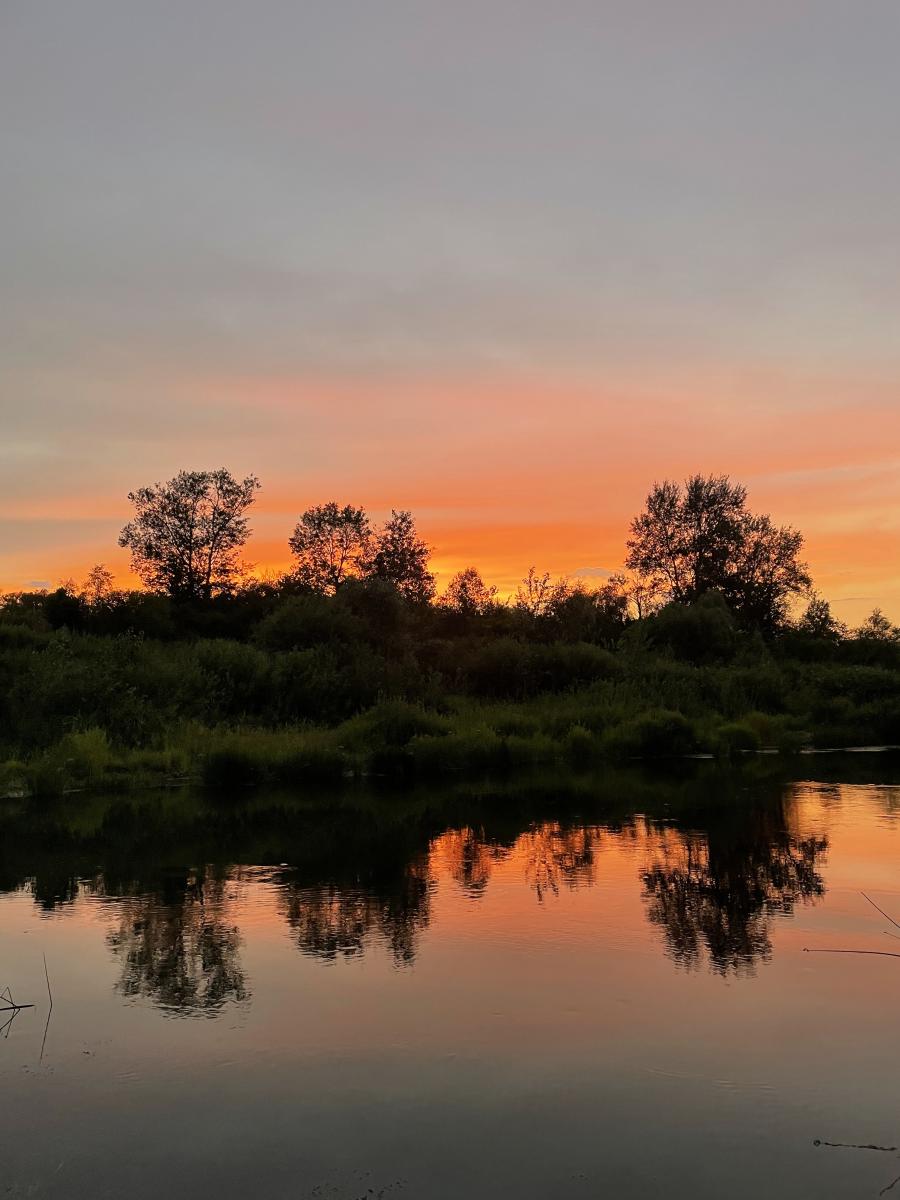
(348, 665)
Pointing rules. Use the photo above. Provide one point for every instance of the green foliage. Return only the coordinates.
(580, 746)
(655, 734)
(277, 684)
(393, 723)
(736, 737)
(301, 622)
(703, 632)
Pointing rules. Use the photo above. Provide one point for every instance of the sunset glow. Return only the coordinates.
(499, 475)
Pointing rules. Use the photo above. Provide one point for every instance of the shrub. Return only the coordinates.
(702, 632)
(300, 622)
(474, 749)
(736, 737)
(580, 745)
(393, 723)
(653, 734)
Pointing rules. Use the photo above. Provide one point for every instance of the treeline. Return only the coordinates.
(351, 661)
(692, 543)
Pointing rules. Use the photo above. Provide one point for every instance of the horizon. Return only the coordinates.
(589, 576)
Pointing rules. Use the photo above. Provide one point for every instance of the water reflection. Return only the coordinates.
(551, 855)
(345, 882)
(180, 948)
(470, 858)
(332, 920)
(714, 893)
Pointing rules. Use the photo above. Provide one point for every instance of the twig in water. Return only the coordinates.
(882, 953)
(50, 1009)
(887, 916)
(12, 1007)
(856, 1146)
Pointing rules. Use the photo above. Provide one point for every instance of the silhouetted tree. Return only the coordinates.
(98, 586)
(63, 609)
(467, 593)
(877, 628)
(597, 616)
(397, 554)
(701, 538)
(537, 594)
(819, 622)
(330, 544)
(186, 534)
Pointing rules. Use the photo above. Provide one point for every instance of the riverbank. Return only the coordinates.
(397, 739)
(421, 698)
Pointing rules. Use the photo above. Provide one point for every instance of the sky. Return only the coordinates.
(503, 264)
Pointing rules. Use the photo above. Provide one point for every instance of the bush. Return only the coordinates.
(474, 749)
(580, 746)
(700, 633)
(656, 734)
(736, 737)
(392, 724)
(301, 622)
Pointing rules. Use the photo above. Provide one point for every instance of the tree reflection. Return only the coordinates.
(179, 949)
(553, 855)
(362, 878)
(470, 857)
(329, 920)
(714, 893)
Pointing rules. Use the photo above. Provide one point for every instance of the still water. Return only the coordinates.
(590, 988)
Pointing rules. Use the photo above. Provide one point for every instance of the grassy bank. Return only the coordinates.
(318, 689)
(597, 725)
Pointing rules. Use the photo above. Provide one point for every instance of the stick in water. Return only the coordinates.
(887, 916)
(881, 953)
(50, 1009)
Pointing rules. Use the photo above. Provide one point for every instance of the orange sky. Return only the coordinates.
(501, 473)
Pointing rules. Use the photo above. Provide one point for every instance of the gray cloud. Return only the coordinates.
(376, 189)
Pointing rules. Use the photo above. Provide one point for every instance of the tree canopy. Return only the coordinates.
(330, 545)
(701, 538)
(398, 555)
(186, 535)
(467, 593)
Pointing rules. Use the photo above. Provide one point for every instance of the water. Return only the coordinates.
(587, 988)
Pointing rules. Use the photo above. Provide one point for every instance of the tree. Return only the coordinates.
(186, 534)
(819, 622)
(538, 594)
(701, 538)
(600, 616)
(330, 544)
(467, 593)
(98, 586)
(877, 628)
(398, 555)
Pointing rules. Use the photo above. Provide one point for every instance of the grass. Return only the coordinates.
(393, 739)
(79, 712)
